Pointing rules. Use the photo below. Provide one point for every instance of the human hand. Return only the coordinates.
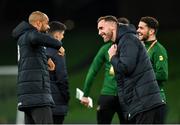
(51, 65)
(85, 101)
(112, 51)
(61, 51)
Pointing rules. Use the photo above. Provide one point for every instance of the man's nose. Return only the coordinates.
(99, 32)
(48, 27)
(138, 30)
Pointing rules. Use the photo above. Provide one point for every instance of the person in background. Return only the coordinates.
(108, 103)
(58, 74)
(147, 30)
(33, 83)
(123, 20)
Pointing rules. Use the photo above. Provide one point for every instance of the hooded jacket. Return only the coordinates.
(138, 90)
(33, 84)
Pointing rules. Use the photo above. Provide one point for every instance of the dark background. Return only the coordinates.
(82, 14)
(82, 43)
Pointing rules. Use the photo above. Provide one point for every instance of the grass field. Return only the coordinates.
(77, 112)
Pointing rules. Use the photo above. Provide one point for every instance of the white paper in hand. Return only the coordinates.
(90, 102)
(79, 95)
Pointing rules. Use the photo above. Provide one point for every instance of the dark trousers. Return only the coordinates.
(58, 119)
(39, 115)
(154, 116)
(107, 106)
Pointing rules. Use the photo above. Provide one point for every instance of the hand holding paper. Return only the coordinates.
(87, 101)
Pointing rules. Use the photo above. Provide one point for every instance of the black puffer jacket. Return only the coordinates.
(138, 90)
(33, 83)
(59, 83)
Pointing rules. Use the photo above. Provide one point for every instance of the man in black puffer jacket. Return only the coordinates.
(59, 76)
(33, 83)
(138, 91)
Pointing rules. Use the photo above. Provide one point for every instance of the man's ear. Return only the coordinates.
(152, 31)
(39, 23)
(113, 25)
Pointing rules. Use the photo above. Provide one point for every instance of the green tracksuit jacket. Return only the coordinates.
(159, 60)
(109, 84)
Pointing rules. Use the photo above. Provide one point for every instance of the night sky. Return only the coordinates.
(86, 12)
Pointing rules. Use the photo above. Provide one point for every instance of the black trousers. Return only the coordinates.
(107, 106)
(58, 119)
(39, 115)
(154, 116)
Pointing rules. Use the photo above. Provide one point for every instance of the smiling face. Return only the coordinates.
(39, 20)
(44, 25)
(105, 30)
(143, 31)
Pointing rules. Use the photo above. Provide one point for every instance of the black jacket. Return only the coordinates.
(59, 82)
(33, 83)
(138, 90)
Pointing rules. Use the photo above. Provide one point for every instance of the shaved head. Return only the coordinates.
(37, 16)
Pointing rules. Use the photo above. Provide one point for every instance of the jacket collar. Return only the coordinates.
(123, 29)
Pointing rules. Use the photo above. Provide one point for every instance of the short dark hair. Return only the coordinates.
(123, 20)
(151, 22)
(108, 18)
(56, 26)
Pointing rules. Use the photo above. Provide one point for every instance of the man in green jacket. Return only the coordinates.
(147, 30)
(108, 103)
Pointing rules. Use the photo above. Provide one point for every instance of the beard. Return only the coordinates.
(144, 37)
(106, 39)
(108, 36)
(43, 29)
